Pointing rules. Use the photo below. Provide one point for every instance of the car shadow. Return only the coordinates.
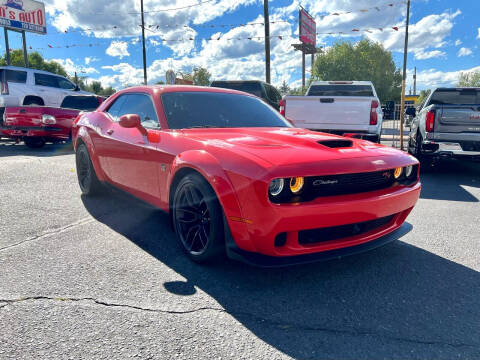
(397, 301)
(446, 180)
(11, 148)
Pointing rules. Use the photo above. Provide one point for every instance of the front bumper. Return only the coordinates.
(268, 222)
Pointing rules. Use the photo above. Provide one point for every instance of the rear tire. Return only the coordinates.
(87, 178)
(198, 219)
(34, 142)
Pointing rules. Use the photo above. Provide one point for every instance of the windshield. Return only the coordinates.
(218, 110)
(85, 103)
(340, 90)
(249, 87)
(456, 97)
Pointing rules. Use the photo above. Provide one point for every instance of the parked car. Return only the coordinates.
(36, 125)
(258, 88)
(24, 86)
(234, 175)
(348, 108)
(447, 125)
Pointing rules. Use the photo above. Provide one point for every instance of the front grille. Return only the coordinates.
(470, 145)
(351, 183)
(308, 237)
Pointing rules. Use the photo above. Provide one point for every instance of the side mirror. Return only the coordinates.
(410, 111)
(130, 121)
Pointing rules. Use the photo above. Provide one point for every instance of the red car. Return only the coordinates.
(36, 125)
(234, 175)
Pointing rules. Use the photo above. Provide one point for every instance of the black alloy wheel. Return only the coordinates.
(197, 218)
(87, 178)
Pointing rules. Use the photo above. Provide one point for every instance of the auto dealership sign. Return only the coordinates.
(308, 28)
(24, 15)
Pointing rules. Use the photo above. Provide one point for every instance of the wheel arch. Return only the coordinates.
(28, 98)
(207, 166)
(83, 137)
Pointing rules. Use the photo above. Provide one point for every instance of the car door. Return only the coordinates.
(133, 159)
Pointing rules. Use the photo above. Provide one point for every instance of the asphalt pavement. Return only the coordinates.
(104, 278)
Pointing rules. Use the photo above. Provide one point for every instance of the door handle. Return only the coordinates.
(109, 131)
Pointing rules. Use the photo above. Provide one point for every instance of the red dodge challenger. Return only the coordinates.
(235, 176)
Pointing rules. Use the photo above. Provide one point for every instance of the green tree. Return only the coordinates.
(284, 88)
(424, 94)
(160, 82)
(469, 79)
(35, 61)
(365, 60)
(201, 76)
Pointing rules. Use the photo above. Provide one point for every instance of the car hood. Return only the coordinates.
(292, 146)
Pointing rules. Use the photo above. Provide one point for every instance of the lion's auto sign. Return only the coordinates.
(26, 15)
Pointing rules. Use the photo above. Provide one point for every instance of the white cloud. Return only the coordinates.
(431, 78)
(428, 33)
(118, 49)
(478, 36)
(91, 59)
(70, 67)
(458, 42)
(464, 52)
(423, 55)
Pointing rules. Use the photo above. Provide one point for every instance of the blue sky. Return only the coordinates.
(444, 37)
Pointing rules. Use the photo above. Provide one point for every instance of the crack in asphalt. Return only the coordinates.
(49, 233)
(270, 322)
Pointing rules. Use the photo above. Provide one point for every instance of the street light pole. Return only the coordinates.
(267, 41)
(143, 42)
(402, 101)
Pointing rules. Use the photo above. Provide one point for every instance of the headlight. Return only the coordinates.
(276, 187)
(408, 171)
(398, 172)
(296, 184)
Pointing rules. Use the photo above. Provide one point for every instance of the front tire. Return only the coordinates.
(87, 178)
(198, 219)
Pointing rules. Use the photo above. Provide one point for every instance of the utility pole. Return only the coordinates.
(405, 52)
(415, 82)
(143, 42)
(267, 40)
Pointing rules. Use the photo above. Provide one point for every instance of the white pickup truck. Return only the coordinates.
(348, 108)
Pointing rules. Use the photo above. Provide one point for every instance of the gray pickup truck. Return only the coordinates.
(447, 125)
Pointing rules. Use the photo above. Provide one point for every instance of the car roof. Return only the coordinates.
(9, 67)
(343, 82)
(183, 88)
(238, 81)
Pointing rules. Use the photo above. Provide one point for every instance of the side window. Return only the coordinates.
(272, 93)
(16, 76)
(142, 105)
(65, 84)
(115, 109)
(46, 80)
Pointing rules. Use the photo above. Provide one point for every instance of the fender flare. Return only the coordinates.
(210, 168)
(84, 136)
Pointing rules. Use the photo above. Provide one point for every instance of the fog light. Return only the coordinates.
(408, 171)
(296, 184)
(276, 187)
(397, 173)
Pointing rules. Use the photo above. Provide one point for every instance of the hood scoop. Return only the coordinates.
(337, 143)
